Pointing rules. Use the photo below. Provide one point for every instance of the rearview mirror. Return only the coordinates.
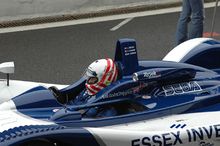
(7, 67)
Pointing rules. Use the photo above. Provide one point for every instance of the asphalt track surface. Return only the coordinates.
(60, 55)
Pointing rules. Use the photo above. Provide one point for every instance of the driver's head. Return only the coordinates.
(100, 74)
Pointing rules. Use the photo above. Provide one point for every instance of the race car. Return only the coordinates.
(175, 101)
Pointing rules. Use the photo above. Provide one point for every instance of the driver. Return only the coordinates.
(99, 74)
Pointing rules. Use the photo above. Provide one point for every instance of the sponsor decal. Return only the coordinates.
(181, 88)
(151, 75)
(130, 50)
(180, 137)
(203, 143)
(133, 90)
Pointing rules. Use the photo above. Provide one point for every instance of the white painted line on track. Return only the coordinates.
(121, 24)
(97, 19)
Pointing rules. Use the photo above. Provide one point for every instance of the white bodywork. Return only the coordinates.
(12, 118)
(181, 50)
(199, 129)
(18, 87)
(196, 129)
(9, 116)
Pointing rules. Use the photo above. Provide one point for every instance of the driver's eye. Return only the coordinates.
(92, 80)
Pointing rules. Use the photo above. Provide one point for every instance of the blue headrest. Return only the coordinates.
(126, 55)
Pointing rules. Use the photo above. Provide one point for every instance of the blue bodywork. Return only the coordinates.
(145, 90)
(173, 88)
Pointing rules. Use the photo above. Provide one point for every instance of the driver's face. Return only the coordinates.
(92, 80)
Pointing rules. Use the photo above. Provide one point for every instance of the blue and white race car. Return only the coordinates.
(175, 101)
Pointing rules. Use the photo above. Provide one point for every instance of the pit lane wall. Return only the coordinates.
(24, 9)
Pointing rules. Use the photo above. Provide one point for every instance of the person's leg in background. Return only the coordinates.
(197, 19)
(182, 26)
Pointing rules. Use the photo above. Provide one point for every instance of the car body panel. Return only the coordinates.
(173, 102)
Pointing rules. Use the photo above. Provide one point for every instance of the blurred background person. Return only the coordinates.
(191, 20)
